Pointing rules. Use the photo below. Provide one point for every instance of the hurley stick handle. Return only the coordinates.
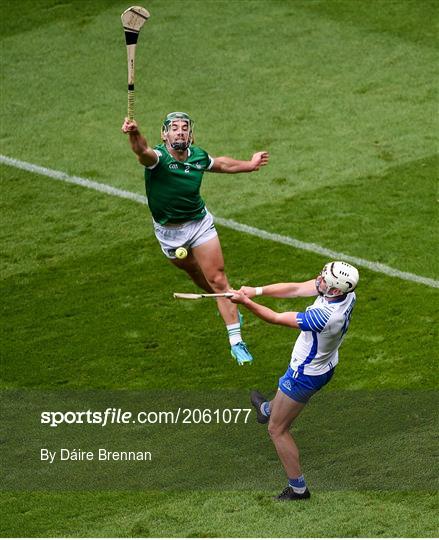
(133, 19)
(131, 103)
(131, 53)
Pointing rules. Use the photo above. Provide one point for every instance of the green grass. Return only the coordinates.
(343, 95)
(386, 217)
(213, 514)
(93, 279)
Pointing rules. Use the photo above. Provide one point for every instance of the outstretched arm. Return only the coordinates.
(229, 165)
(288, 318)
(283, 290)
(139, 145)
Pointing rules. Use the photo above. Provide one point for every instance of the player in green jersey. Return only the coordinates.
(173, 174)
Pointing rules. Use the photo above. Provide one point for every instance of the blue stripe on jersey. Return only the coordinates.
(313, 320)
(347, 317)
(311, 355)
(315, 314)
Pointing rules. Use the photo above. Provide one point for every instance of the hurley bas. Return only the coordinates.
(102, 454)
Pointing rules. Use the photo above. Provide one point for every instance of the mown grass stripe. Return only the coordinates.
(228, 223)
(335, 255)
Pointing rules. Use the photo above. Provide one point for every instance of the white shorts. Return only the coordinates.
(189, 234)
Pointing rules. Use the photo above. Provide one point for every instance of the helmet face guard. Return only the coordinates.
(180, 146)
(340, 278)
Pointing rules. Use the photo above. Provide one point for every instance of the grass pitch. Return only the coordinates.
(342, 94)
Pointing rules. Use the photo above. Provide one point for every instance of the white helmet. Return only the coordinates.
(339, 275)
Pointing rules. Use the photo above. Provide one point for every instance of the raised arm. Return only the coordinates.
(139, 145)
(229, 165)
(283, 290)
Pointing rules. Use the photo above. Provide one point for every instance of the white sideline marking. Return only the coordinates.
(228, 223)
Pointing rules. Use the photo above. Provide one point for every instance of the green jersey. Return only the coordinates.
(173, 187)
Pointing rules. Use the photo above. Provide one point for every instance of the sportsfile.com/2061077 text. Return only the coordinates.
(111, 416)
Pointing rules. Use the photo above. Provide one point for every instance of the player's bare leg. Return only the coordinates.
(209, 257)
(191, 267)
(284, 411)
(205, 266)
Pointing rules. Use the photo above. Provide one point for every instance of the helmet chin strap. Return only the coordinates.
(180, 146)
(327, 295)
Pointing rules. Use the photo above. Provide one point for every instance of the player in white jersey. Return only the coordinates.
(315, 354)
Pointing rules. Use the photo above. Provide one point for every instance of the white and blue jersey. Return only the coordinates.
(324, 325)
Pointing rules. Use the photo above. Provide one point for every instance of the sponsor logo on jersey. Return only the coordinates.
(198, 165)
(173, 166)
